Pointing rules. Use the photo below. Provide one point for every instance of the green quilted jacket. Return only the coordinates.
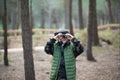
(70, 62)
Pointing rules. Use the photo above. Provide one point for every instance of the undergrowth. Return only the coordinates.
(112, 35)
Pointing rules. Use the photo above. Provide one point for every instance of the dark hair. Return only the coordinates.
(61, 31)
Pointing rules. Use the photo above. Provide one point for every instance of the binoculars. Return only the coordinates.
(64, 36)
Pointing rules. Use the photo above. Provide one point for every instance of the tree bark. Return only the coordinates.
(81, 26)
(90, 32)
(27, 41)
(111, 19)
(68, 15)
(42, 19)
(31, 16)
(14, 20)
(50, 16)
(4, 20)
(95, 30)
(18, 14)
(103, 18)
(118, 12)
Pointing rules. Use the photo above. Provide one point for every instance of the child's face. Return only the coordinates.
(61, 38)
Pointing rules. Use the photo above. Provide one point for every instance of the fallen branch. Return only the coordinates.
(106, 41)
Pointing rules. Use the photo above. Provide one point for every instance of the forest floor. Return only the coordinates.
(107, 66)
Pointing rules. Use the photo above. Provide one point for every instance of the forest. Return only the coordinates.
(27, 25)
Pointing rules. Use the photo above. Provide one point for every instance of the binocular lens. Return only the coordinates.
(64, 36)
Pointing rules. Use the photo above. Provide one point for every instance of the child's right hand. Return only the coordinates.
(58, 36)
(69, 36)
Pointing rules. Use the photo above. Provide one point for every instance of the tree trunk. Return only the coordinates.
(66, 8)
(19, 14)
(14, 20)
(81, 26)
(68, 15)
(103, 18)
(118, 12)
(95, 30)
(42, 19)
(31, 16)
(55, 18)
(111, 19)
(27, 41)
(50, 17)
(90, 32)
(1, 8)
(4, 20)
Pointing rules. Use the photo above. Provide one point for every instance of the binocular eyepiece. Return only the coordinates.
(64, 36)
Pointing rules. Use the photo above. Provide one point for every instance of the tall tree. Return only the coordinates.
(4, 20)
(90, 31)
(116, 10)
(42, 18)
(31, 16)
(111, 19)
(54, 18)
(95, 30)
(81, 26)
(19, 13)
(68, 15)
(14, 20)
(12, 12)
(50, 13)
(27, 41)
(1, 9)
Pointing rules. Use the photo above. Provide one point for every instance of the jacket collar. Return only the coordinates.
(65, 44)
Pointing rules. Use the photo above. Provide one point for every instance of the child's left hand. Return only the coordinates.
(69, 36)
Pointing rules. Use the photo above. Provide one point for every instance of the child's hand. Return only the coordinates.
(69, 36)
(58, 36)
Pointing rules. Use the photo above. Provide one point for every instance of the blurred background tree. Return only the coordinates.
(27, 40)
(4, 22)
(50, 14)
